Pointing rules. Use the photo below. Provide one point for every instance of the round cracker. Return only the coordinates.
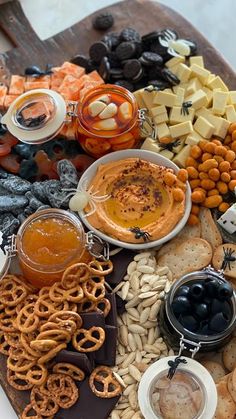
(229, 355)
(226, 408)
(216, 370)
(231, 388)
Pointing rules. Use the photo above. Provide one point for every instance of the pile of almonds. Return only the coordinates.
(139, 341)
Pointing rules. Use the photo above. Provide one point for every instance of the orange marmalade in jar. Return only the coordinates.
(108, 120)
(47, 243)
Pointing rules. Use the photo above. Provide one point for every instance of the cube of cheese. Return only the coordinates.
(174, 61)
(72, 69)
(201, 73)
(147, 98)
(162, 117)
(150, 145)
(221, 126)
(8, 100)
(164, 98)
(181, 157)
(198, 99)
(157, 110)
(179, 91)
(193, 138)
(16, 85)
(228, 219)
(219, 102)
(167, 153)
(179, 147)
(162, 130)
(209, 94)
(181, 129)
(204, 127)
(232, 97)
(197, 59)
(217, 83)
(138, 97)
(193, 86)
(230, 113)
(177, 115)
(183, 72)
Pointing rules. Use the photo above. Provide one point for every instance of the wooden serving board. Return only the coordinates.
(143, 15)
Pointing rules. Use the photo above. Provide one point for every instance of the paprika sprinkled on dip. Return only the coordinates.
(146, 200)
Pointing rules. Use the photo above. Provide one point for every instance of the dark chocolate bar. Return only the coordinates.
(106, 355)
(120, 262)
(76, 358)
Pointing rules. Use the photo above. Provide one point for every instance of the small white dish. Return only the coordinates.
(153, 158)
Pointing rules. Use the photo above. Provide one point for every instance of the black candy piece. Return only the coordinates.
(225, 291)
(201, 310)
(189, 322)
(97, 51)
(129, 34)
(219, 322)
(126, 84)
(133, 70)
(16, 185)
(11, 202)
(125, 50)
(151, 58)
(197, 291)
(80, 60)
(181, 305)
(183, 290)
(150, 37)
(104, 68)
(103, 21)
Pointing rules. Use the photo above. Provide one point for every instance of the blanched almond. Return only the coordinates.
(134, 372)
(136, 328)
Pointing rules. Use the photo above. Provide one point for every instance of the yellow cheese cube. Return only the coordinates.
(201, 73)
(148, 98)
(203, 112)
(157, 110)
(232, 97)
(209, 94)
(139, 99)
(219, 102)
(174, 61)
(164, 98)
(183, 72)
(179, 91)
(167, 153)
(177, 115)
(162, 130)
(150, 145)
(197, 59)
(203, 127)
(217, 83)
(230, 113)
(181, 129)
(182, 156)
(192, 86)
(193, 138)
(159, 119)
(221, 126)
(198, 99)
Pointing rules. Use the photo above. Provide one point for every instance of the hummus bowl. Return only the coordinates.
(138, 196)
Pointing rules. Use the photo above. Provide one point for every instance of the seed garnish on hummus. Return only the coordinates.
(142, 195)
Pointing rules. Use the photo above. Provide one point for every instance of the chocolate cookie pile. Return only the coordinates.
(133, 61)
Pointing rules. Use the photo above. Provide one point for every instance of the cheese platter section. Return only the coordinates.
(117, 219)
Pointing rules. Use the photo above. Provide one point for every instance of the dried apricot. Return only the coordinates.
(203, 175)
(219, 159)
(206, 156)
(214, 174)
(192, 172)
(213, 192)
(225, 177)
(194, 183)
(233, 146)
(232, 127)
(222, 187)
(182, 175)
(213, 201)
(227, 139)
(233, 136)
(195, 152)
(232, 185)
(209, 164)
(197, 197)
(224, 166)
(166, 140)
(210, 148)
(193, 220)
(190, 161)
(195, 209)
(169, 179)
(215, 141)
(178, 194)
(223, 206)
(202, 144)
(233, 174)
(230, 156)
(207, 184)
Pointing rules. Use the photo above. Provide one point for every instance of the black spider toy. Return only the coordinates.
(185, 107)
(170, 146)
(228, 258)
(140, 234)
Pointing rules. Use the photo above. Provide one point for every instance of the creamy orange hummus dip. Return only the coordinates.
(140, 196)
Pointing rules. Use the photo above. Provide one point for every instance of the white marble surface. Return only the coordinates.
(214, 18)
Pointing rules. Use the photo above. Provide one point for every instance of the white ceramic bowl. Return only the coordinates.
(153, 158)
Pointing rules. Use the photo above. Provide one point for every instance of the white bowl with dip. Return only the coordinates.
(150, 157)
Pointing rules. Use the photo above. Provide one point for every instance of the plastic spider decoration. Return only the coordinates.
(35, 71)
(146, 124)
(175, 47)
(140, 234)
(84, 195)
(185, 107)
(228, 258)
(170, 146)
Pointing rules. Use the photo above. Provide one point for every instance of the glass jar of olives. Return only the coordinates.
(199, 312)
